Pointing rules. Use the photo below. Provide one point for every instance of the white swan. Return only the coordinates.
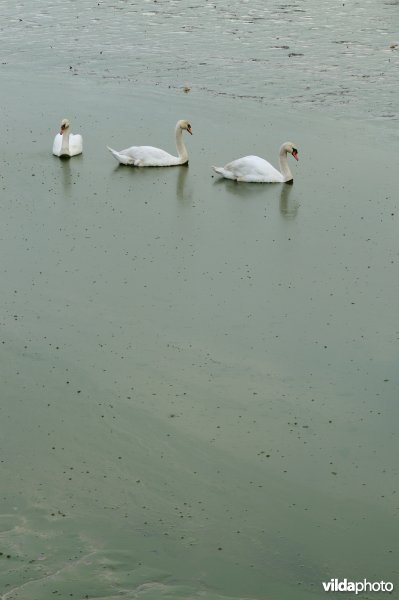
(148, 156)
(66, 143)
(257, 170)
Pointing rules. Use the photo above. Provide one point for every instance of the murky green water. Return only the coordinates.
(199, 378)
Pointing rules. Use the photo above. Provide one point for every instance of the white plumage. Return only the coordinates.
(254, 169)
(148, 156)
(66, 143)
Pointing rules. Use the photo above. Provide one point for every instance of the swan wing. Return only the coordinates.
(57, 144)
(251, 169)
(145, 156)
(254, 168)
(75, 144)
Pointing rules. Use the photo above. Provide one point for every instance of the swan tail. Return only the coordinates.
(224, 172)
(122, 159)
(219, 170)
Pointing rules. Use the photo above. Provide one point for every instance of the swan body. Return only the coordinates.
(66, 143)
(257, 170)
(148, 156)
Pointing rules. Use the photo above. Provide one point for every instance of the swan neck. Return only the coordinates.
(181, 148)
(284, 168)
(65, 142)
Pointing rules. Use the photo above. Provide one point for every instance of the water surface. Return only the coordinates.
(199, 378)
(341, 57)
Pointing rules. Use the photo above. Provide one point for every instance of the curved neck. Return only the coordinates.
(65, 142)
(181, 148)
(284, 168)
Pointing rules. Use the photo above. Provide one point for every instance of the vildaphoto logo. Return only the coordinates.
(343, 585)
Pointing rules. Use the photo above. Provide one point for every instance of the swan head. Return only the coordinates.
(290, 148)
(183, 124)
(64, 125)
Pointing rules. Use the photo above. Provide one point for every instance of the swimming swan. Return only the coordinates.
(66, 143)
(148, 156)
(257, 170)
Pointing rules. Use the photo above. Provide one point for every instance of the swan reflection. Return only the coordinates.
(242, 189)
(183, 193)
(288, 208)
(66, 172)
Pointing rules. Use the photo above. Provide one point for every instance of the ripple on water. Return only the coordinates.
(122, 39)
(42, 559)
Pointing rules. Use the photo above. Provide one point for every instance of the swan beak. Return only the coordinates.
(189, 130)
(295, 154)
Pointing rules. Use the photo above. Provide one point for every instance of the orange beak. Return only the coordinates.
(295, 155)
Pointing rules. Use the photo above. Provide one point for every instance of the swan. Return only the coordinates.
(66, 143)
(258, 170)
(148, 156)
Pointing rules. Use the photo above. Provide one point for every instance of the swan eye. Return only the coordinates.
(188, 126)
(294, 151)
